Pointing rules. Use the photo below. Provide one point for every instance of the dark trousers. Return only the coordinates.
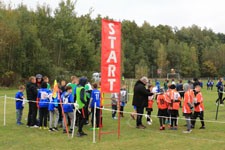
(140, 110)
(32, 114)
(114, 109)
(60, 112)
(81, 119)
(149, 115)
(195, 116)
(220, 98)
(121, 110)
(174, 115)
(162, 121)
(97, 117)
(43, 112)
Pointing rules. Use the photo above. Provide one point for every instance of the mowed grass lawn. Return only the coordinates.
(14, 137)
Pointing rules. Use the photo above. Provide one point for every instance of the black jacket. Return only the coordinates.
(31, 90)
(140, 98)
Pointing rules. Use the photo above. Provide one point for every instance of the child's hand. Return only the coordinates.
(56, 109)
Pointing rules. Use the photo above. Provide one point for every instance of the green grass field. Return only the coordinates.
(14, 137)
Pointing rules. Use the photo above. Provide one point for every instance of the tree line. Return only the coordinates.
(59, 42)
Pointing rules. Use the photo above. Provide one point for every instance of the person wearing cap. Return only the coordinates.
(39, 81)
(140, 100)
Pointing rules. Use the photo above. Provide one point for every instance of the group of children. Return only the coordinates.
(78, 94)
(81, 95)
(210, 85)
(168, 102)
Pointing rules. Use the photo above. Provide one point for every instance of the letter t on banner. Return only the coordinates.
(111, 57)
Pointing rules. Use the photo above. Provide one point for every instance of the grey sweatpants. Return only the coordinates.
(188, 121)
(19, 114)
(71, 116)
(51, 115)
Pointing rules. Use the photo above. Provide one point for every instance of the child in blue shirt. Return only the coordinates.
(19, 105)
(53, 111)
(95, 98)
(68, 101)
(42, 104)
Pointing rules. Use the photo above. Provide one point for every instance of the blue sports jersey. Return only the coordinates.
(220, 86)
(96, 96)
(19, 103)
(43, 95)
(53, 102)
(208, 83)
(67, 98)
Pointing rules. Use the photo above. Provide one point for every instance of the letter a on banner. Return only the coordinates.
(111, 57)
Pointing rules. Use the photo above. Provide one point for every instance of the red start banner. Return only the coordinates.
(111, 57)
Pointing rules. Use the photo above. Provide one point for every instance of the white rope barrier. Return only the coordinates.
(155, 116)
(145, 115)
(5, 111)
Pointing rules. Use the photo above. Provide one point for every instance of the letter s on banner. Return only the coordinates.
(111, 57)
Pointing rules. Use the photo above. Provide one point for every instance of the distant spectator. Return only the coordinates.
(31, 90)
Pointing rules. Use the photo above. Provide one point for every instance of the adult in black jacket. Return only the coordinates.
(140, 99)
(31, 90)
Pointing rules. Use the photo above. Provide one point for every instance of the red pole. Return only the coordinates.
(119, 117)
(63, 113)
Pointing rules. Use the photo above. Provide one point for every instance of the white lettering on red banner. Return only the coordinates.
(111, 57)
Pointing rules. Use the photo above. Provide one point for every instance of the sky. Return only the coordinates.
(175, 13)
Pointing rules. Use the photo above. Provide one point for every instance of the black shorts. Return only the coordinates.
(149, 109)
(174, 113)
(187, 114)
(162, 112)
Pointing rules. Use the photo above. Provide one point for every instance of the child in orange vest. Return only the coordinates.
(198, 108)
(162, 108)
(188, 106)
(174, 105)
(149, 109)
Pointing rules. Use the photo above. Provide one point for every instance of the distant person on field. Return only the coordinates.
(208, 85)
(31, 90)
(140, 100)
(198, 108)
(53, 111)
(188, 106)
(46, 80)
(220, 86)
(73, 84)
(162, 108)
(95, 100)
(114, 102)
(149, 108)
(39, 81)
(211, 84)
(42, 104)
(123, 98)
(67, 98)
(166, 85)
(20, 101)
(81, 100)
(180, 89)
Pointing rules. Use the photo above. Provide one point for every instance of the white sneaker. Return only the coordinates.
(221, 105)
(34, 126)
(186, 131)
(114, 118)
(151, 120)
(149, 123)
